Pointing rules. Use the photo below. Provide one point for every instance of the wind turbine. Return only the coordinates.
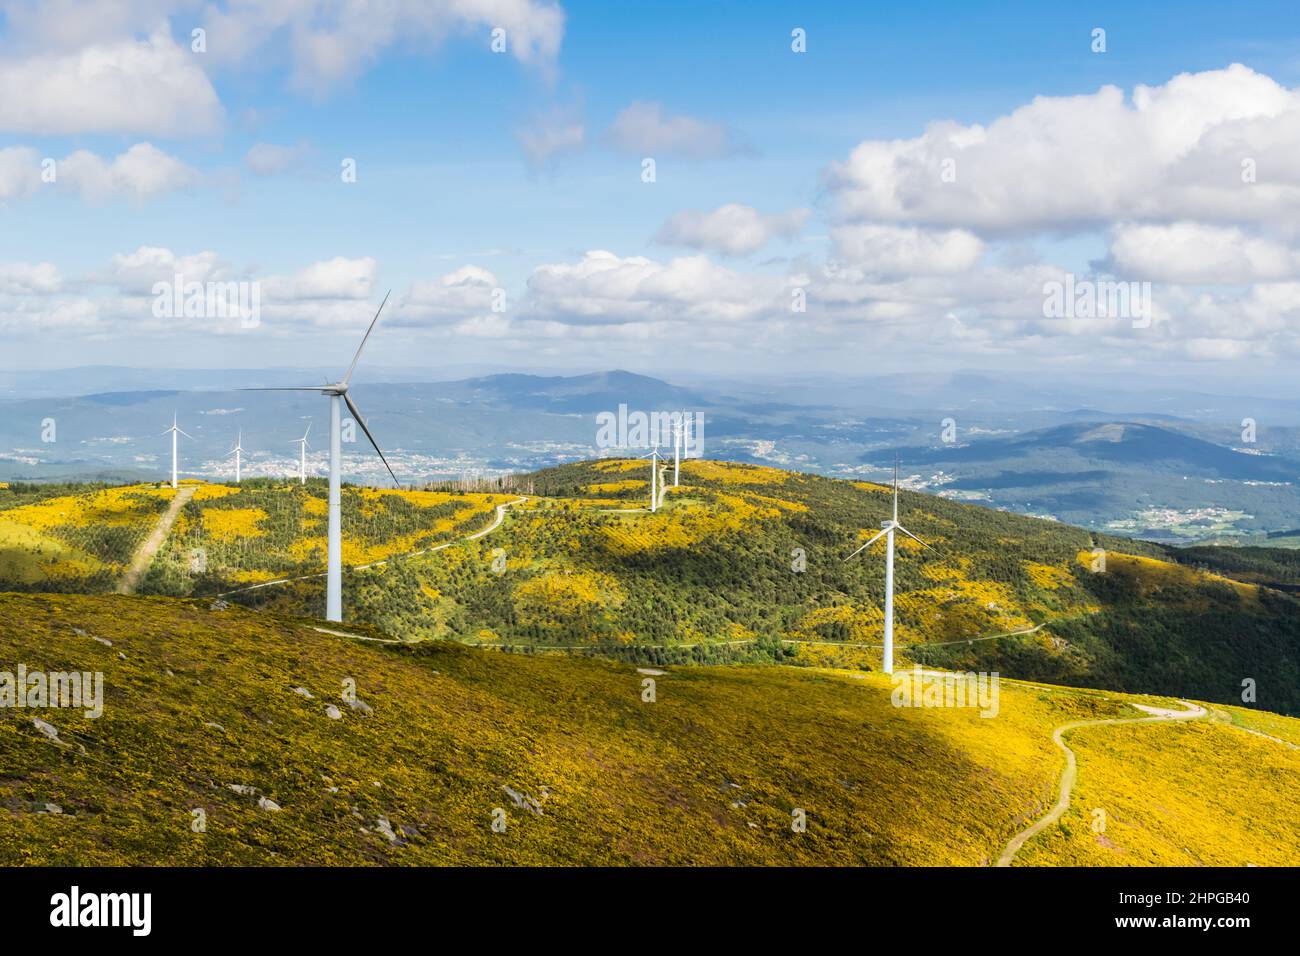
(654, 476)
(887, 532)
(678, 427)
(338, 395)
(302, 458)
(238, 452)
(174, 431)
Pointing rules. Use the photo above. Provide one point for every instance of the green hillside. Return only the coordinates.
(207, 708)
(746, 564)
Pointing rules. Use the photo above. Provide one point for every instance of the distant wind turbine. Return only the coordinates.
(679, 428)
(175, 431)
(338, 395)
(654, 476)
(302, 457)
(889, 527)
(238, 452)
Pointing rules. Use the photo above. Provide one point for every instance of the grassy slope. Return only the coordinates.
(709, 773)
(710, 578)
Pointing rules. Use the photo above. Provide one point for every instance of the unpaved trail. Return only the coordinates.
(501, 516)
(144, 557)
(1159, 715)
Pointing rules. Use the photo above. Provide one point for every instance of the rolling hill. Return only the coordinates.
(741, 564)
(227, 738)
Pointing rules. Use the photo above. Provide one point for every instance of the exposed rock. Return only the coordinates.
(304, 692)
(49, 730)
(214, 725)
(332, 712)
(651, 671)
(103, 640)
(523, 801)
(53, 808)
(266, 803)
(243, 789)
(218, 605)
(360, 705)
(386, 828)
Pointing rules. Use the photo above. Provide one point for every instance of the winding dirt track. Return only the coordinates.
(1071, 772)
(144, 557)
(501, 516)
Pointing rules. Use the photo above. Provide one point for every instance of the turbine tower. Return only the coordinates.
(175, 431)
(678, 427)
(338, 396)
(887, 532)
(302, 455)
(238, 452)
(654, 476)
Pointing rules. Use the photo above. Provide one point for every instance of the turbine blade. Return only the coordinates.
(356, 358)
(356, 413)
(913, 537)
(870, 543)
(282, 388)
(187, 434)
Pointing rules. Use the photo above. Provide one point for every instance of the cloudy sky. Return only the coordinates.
(661, 187)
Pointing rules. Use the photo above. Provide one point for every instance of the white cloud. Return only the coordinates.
(1189, 252)
(1076, 162)
(140, 172)
(604, 288)
(330, 43)
(893, 250)
(150, 86)
(337, 278)
(135, 273)
(21, 278)
(733, 229)
(643, 129)
(466, 292)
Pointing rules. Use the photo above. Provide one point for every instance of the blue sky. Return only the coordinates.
(434, 120)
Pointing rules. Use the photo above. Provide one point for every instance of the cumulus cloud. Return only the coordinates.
(604, 288)
(891, 250)
(337, 278)
(733, 229)
(22, 278)
(464, 293)
(1178, 151)
(1190, 252)
(141, 172)
(644, 129)
(330, 43)
(151, 86)
(136, 272)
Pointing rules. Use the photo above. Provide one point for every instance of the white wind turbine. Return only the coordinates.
(238, 452)
(654, 477)
(679, 428)
(338, 395)
(302, 455)
(175, 432)
(887, 532)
